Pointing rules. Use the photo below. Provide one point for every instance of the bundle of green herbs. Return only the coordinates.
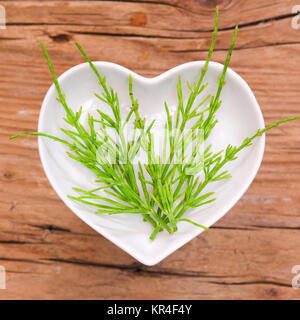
(161, 190)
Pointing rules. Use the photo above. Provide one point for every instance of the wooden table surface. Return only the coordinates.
(48, 252)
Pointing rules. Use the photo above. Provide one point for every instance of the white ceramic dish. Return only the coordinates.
(239, 117)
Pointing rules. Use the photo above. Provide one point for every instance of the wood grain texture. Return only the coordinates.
(48, 252)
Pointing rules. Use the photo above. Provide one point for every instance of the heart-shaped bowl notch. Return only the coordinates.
(238, 117)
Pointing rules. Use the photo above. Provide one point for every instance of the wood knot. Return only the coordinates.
(8, 175)
(272, 292)
(138, 19)
(60, 38)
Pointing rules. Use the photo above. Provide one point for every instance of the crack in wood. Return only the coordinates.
(50, 227)
(138, 268)
(262, 21)
(254, 227)
(23, 260)
(252, 283)
(275, 44)
(9, 39)
(129, 35)
(53, 228)
(277, 227)
(14, 242)
(231, 228)
(18, 272)
(241, 26)
(25, 242)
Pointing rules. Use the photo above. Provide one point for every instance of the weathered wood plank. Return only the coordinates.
(186, 15)
(210, 274)
(48, 252)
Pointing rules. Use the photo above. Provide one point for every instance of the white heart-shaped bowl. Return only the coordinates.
(238, 117)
